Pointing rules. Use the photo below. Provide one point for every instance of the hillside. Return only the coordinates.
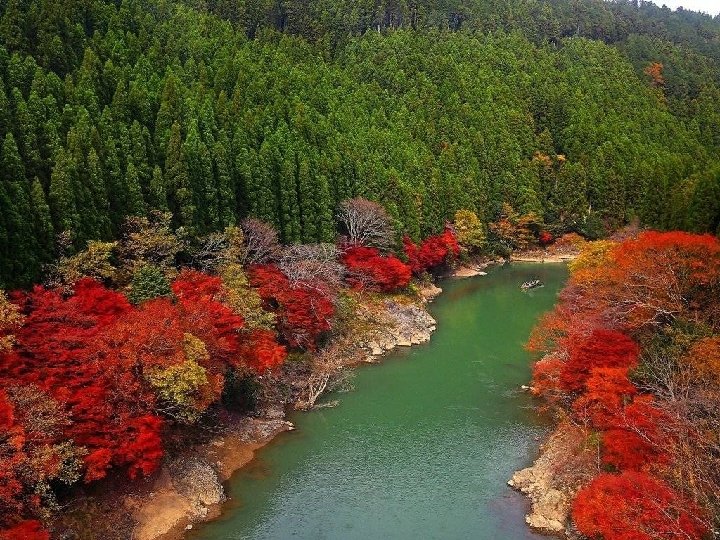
(219, 110)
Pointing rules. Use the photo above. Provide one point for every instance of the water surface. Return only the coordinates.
(424, 444)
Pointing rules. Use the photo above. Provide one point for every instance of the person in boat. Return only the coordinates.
(533, 283)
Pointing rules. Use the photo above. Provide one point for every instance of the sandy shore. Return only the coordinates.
(189, 489)
(543, 258)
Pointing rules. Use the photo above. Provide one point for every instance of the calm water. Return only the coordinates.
(423, 446)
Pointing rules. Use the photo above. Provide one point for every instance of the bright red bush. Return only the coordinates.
(143, 450)
(192, 285)
(601, 349)
(545, 238)
(303, 313)
(206, 317)
(607, 390)
(634, 506)
(26, 455)
(637, 438)
(432, 252)
(260, 350)
(12, 441)
(367, 269)
(25, 530)
(56, 350)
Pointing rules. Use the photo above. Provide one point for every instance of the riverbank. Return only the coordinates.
(550, 489)
(565, 463)
(188, 489)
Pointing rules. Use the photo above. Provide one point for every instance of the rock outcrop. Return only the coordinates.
(405, 325)
(565, 463)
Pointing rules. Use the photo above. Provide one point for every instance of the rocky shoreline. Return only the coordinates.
(564, 464)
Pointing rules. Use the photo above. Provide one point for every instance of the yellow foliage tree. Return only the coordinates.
(513, 230)
(184, 389)
(242, 299)
(469, 230)
(593, 255)
(10, 319)
(94, 262)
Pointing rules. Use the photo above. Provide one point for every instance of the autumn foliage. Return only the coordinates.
(368, 269)
(303, 313)
(432, 252)
(93, 382)
(623, 297)
(601, 349)
(634, 506)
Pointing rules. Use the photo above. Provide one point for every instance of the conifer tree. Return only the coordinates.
(226, 187)
(157, 194)
(21, 240)
(100, 214)
(135, 202)
(177, 180)
(44, 232)
(201, 180)
(62, 196)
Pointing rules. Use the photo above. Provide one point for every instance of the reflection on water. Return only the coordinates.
(425, 444)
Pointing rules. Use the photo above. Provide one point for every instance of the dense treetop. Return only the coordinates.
(587, 113)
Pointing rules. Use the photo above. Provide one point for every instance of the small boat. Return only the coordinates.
(532, 284)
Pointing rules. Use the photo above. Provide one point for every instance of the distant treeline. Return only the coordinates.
(280, 110)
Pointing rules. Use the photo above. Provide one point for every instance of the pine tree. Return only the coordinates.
(100, 215)
(44, 232)
(135, 202)
(116, 187)
(139, 154)
(288, 195)
(177, 180)
(62, 193)
(4, 109)
(21, 240)
(169, 112)
(12, 25)
(27, 135)
(226, 185)
(202, 180)
(157, 196)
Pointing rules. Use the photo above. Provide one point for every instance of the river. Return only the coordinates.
(424, 444)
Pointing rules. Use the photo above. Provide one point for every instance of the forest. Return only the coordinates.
(593, 115)
(190, 198)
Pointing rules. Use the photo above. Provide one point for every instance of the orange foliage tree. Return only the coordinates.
(650, 286)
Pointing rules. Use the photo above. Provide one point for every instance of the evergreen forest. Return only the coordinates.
(588, 114)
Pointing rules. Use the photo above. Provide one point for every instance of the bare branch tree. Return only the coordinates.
(219, 249)
(261, 242)
(328, 372)
(366, 223)
(210, 252)
(312, 265)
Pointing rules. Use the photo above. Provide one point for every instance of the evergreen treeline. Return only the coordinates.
(206, 109)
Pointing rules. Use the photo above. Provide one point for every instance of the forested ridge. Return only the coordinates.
(196, 186)
(588, 114)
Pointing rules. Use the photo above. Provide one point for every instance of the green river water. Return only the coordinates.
(424, 444)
